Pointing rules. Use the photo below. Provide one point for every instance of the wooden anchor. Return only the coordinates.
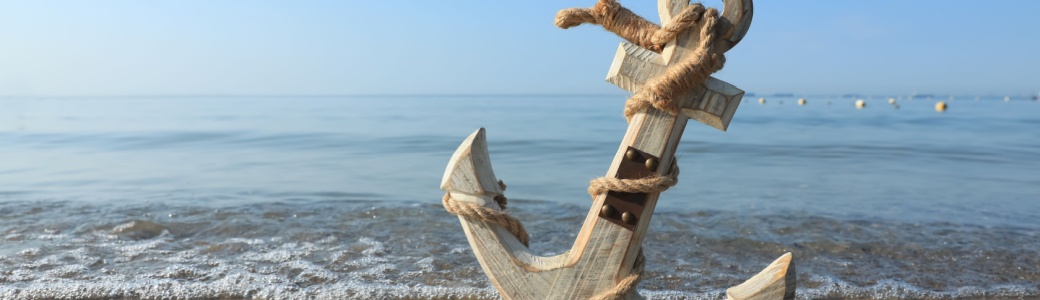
(609, 243)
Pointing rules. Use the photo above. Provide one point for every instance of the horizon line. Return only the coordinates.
(245, 95)
(334, 95)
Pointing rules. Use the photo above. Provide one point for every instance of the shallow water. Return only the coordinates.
(336, 197)
(358, 249)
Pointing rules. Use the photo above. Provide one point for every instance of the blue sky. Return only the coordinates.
(192, 47)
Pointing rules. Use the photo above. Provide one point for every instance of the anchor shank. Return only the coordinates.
(656, 134)
(653, 134)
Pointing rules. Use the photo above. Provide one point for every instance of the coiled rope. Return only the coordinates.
(691, 71)
(477, 212)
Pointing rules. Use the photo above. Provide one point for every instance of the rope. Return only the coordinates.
(660, 91)
(687, 73)
(626, 24)
(478, 212)
(656, 183)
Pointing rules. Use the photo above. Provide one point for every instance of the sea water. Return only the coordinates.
(337, 197)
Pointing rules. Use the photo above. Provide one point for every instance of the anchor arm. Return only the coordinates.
(510, 265)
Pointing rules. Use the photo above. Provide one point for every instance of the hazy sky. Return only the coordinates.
(186, 47)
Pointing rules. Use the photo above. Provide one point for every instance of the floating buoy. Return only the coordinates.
(801, 101)
(1007, 98)
(761, 100)
(860, 104)
(940, 106)
(891, 100)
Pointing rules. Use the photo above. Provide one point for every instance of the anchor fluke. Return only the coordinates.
(776, 281)
(469, 170)
(474, 194)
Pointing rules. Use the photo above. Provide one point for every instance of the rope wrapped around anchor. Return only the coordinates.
(475, 211)
(641, 185)
(687, 73)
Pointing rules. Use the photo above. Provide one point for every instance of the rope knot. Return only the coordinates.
(689, 72)
(478, 212)
(686, 73)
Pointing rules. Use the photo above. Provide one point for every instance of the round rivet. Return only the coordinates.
(651, 163)
(632, 154)
(607, 211)
(629, 218)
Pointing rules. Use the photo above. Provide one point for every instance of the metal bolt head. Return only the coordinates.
(607, 211)
(631, 154)
(651, 163)
(629, 218)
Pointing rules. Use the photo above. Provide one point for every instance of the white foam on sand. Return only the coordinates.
(326, 258)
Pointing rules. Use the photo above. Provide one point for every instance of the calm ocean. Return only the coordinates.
(337, 197)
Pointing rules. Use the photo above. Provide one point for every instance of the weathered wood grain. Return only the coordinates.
(776, 281)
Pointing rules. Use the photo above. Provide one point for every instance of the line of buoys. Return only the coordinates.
(940, 106)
